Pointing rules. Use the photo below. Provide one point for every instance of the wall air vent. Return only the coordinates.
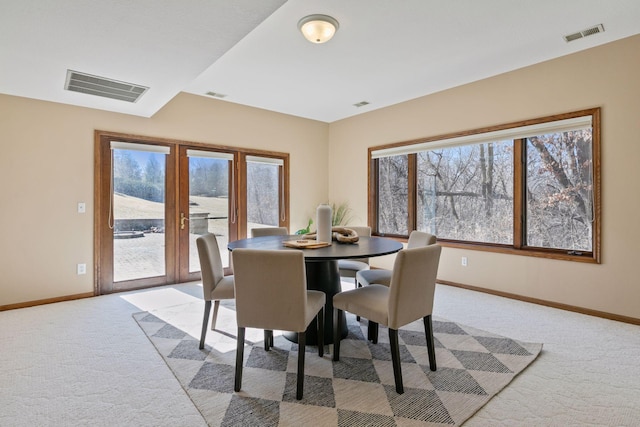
(101, 86)
(584, 33)
(216, 95)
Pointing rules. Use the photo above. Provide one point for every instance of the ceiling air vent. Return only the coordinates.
(584, 33)
(100, 86)
(361, 104)
(216, 95)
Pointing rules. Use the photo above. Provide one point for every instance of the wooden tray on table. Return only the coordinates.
(305, 244)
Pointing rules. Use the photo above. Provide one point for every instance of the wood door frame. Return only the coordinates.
(183, 241)
(103, 239)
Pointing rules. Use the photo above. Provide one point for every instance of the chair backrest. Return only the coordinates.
(413, 284)
(364, 232)
(210, 262)
(420, 238)
(361, 230)
(270, 289)
(269, 231)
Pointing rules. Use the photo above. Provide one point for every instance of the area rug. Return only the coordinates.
(472, 367)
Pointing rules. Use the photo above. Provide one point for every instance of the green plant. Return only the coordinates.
(340, 214)
(305, 230)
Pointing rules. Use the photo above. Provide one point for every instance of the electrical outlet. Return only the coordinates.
(464, 261)
(82, 269)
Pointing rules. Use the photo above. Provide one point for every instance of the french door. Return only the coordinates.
(207, 204)
(155, 197)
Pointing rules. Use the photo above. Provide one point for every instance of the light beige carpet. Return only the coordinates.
(473, 366)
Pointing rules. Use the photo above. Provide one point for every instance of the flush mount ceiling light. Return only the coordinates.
(318, 28)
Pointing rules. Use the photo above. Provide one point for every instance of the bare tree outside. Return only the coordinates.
(393, 191)
(466, 192)
(208, 177)
(560, 190)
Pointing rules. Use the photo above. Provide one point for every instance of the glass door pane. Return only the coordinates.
(138, 214)
(209, 202)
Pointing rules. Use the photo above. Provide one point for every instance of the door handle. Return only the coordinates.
(183, 219)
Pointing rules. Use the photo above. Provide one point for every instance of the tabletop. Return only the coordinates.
(365, 247)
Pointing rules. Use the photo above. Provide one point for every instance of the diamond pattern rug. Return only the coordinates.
(359, 390)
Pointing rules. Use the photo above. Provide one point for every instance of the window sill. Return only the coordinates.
(586, 257)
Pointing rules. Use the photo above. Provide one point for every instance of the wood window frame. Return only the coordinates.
(283, 189)
(519, 239)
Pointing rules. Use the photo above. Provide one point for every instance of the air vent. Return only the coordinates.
(361, 104)
(216, 94)
(101, 86)
(584, 33)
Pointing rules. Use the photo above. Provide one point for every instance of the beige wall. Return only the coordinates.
(607, 77)
(46, 168)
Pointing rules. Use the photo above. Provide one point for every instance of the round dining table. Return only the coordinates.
(322, 270)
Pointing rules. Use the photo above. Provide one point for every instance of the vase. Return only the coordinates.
(323, 223)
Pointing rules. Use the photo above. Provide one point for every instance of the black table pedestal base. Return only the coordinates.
(322, 276)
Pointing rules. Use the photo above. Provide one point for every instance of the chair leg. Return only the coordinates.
(216, 305)
(320, 322)
(358, 285)
(372, 332)
(395, 359)
(428, 332)
(268, 339)
(239, 359)
(337, 326)
(301, 352)
(205, 322)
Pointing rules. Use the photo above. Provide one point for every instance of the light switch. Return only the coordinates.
(81, 207)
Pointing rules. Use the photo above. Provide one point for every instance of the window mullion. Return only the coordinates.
(373, 196)
(412, 199)
(519, 193)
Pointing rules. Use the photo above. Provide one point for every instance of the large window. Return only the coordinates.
(529, 187)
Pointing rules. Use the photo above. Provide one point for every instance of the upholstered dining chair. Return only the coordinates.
(408, 297)
(269, 231)
(271, 293)
(215, 285)
(349, 267)
(382, 276)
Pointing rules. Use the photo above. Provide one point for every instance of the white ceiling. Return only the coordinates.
(385, 52)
